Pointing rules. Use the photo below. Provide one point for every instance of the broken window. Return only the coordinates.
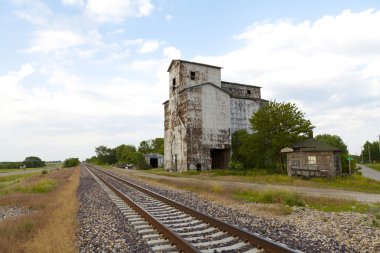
(192, 75)
(248, 92)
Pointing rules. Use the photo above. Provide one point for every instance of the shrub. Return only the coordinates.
(44, 172)
(236, 166)
(71, 162)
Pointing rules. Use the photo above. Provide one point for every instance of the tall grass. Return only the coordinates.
(51, 226)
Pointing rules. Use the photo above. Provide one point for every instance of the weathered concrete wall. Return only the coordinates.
(203, 74)
(194, 127)
(241, 90)
(241, 111)
(216, 122)
(175, 144)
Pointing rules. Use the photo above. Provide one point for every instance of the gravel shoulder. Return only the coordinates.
(323, 192)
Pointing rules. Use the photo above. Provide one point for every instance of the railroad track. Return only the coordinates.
(168, 226)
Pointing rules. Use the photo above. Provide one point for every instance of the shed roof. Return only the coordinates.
(311, 144)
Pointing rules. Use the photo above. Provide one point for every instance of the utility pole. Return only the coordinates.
(369, 153)
(379, 146)
(362, 149)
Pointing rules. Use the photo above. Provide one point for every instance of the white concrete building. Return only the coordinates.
(201, 114)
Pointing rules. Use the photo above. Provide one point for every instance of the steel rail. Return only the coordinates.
(254, 239)
(181, 244)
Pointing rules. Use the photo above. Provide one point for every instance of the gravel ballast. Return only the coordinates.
(101, 225)
(305, 229)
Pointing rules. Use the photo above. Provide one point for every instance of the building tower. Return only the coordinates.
(201, 114)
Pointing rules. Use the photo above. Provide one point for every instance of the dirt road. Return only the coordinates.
(332, 193)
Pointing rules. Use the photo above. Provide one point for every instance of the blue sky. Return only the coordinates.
(75, 74)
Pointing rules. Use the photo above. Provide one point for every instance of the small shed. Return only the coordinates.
(155, 160)
(311, 158)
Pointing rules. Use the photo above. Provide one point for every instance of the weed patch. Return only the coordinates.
(269, 197)
(44, 186)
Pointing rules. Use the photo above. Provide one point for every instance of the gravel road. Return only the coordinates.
(331, 193)
(370, 173)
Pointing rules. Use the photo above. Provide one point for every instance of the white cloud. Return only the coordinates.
(117, 10)
(330, 67)
(72, 2)
(36, 12)
(49, 40)
(172, 53)
(149, 46)
(168, 17)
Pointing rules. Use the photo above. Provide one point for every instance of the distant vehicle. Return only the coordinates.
(125, 165)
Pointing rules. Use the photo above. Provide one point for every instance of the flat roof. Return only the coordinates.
(196, 63)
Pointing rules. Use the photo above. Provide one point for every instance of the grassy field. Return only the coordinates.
(48, 166)
(354, 182)
(375, 166)
(52, 199)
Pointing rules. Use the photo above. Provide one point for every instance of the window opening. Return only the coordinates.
(249, 92)
(192, 75)
(173, 84)
(311, 159)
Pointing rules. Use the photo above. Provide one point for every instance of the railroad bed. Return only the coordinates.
(168, 226)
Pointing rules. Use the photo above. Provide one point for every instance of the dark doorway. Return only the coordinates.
(154, 162)
(219, 158)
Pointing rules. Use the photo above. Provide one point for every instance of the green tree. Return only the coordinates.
(33, 162)
(70, 162)
(336, 141)
(105, 155)
(370, 150)
(125, 153)
(242, 145)
(333, 140)
(275, 126)
(158, 145)
(152, 146)
(145, 146)
(139, 161)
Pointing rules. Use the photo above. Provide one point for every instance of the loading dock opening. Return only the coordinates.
(219, 158)
(154, 162)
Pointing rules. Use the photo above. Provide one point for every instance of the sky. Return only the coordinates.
(76, 74)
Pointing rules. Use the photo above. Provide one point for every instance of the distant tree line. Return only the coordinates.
(29, 162)
(128, 154)
(275, 126)
(370, 152)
